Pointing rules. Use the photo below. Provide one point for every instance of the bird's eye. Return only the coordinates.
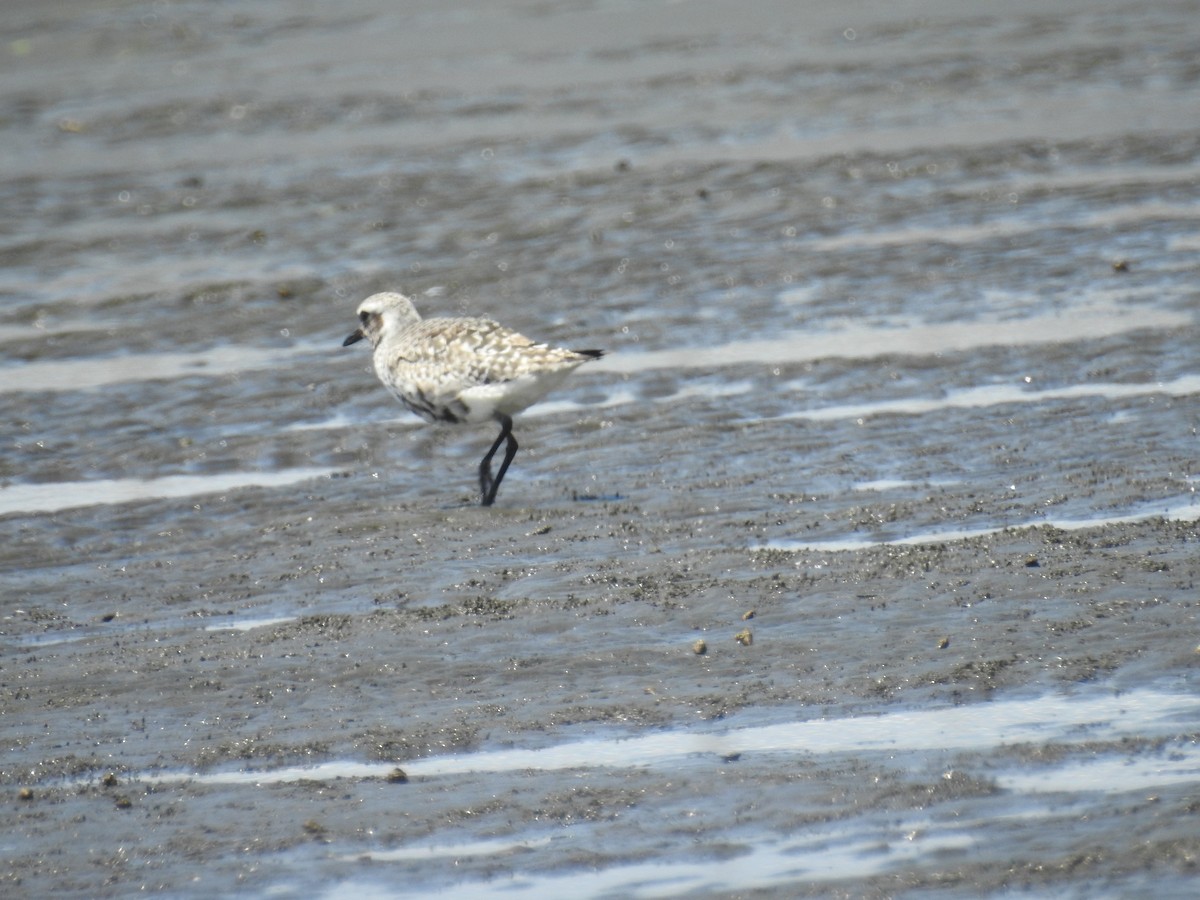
(364, 317)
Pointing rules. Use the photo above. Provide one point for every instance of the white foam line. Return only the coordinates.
(54, 496)
(1059, 718)
(438, 851)
(910, 340)
(1179, 509)
(250, 624)
(50, 639)
(1131, 214)
(93, 372)
(997, 394)
(822, 853)
(1178, 764)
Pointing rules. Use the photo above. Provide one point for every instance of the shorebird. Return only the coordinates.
(461, 370)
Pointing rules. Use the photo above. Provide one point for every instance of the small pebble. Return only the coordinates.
(700, 647)
(744, 637)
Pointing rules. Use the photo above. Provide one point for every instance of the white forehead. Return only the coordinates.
(380, 302)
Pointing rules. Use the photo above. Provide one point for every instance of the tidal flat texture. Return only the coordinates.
(865, 564)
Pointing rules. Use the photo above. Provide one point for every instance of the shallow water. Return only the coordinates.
(55, 496)
(1074, 724)
(900, 304)
(1180, 509)
(1058, 719)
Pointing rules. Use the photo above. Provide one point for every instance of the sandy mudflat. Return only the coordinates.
(864, 565)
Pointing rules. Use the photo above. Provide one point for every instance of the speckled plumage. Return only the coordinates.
(459, 370)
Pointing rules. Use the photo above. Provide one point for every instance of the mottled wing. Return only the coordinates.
(480, 351)
(469, 370)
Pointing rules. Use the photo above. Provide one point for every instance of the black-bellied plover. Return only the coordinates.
(461, 370)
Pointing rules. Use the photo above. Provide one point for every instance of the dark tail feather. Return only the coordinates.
(590, 354)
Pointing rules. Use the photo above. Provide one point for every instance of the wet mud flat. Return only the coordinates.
(865, 563)
(276, 689)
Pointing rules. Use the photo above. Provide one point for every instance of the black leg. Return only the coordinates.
(485, 469)
(509, 452)
(488, 486)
